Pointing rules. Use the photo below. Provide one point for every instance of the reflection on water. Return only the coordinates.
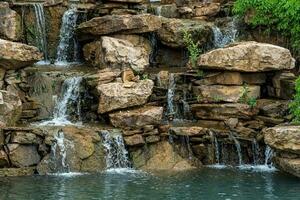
(201, 184)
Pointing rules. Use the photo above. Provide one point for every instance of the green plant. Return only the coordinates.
(145, 76)
(281, 16)
(200, 74)
(295, 104)
(192, 47)
(217, 98)
(252, 102)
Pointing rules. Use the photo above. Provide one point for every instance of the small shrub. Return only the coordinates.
(192, 47)
(295, 104)
(251, 101)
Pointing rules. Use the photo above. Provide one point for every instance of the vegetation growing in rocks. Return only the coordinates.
(276, 15)
(295, 104)
(192, 47)
(251, 101)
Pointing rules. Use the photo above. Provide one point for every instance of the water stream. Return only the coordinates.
(170, 97)
(41, 39)
(59, 153)
(226, 35)
(238, 148)
(67, 50)
(70, 93)
(255, 152)
(116, 153)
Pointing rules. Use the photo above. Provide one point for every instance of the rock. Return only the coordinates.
(222, 93)
(128, 76)
(4, 162)
(159, 156)
(103, 76)
(136, 40)
(16, 55)
(23, 155)
(162, 79)
(152, 139)
(273, 108)
(10, 108)
(248, 57)
(188, 131)
(24, 171)
(291, 166)
(24, 138)
(207, 9)
(137, 118)
(134, 140)
(223, 111)
(283, 138)
(115, 96)
(125, 24)
(222, 78)
(116, 53)
(281, 88)
(254, 78)
(10, 26)
(171, 32)
(169, 10)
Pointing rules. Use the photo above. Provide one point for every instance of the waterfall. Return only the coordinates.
(154, 46)
(268, 156)
(67, 50)
(185, 142)
(59, 153)
(116, 153)
(158, 11)
(186, 107)
(255, 152)
(41, 40)
(215, 144)
(170, 96)
(225, 36)
(238, 148)
(70, 93)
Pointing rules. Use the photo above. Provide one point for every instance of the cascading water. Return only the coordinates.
(255, 152)
(214, 142)
(59, 153)
(154, 47)
(185, 142)
(238, 148)
(186, 106)
(170, 96)
(116, 153)
(225, 36)
(268, 156)
(67, 50)
(70, 93)
(41, 40)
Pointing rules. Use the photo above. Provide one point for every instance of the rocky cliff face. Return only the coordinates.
(134, 100)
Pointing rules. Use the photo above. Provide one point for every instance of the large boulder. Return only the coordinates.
(283, 138)
(23, 155)
(114, 96)
(207, 9)
(223, 93)
(172, 31)
(10, 26)
(116, 53)
(125, 24)
(10, 108)
(248, 57)
(137, 118)
(14, 55)
(291, 166)
(223, 111)
(160, 156)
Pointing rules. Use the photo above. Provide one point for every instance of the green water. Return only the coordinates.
(200, 184)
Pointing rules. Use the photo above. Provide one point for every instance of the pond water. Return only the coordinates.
(199, 184)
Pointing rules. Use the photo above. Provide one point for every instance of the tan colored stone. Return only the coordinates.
(188, 131)
(116, 53)
(24, 171)
(23, 155)
(134, 140)
(115, 96)
(10, 108)
(222, 93)
(137, 118)
(24, 138)
(291, 166)
(223, 111)
(171, 32)
(248, 57)
(125, 24)
(207, 9)
(10, 26)
(283, 138)
(254, 78)
(222, 78)
(17, 55)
